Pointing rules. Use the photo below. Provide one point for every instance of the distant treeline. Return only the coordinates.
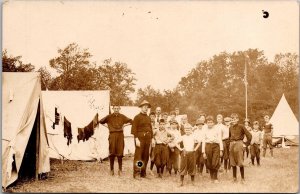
(216, 85)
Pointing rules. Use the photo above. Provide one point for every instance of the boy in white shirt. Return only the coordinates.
(199, 134)
(212, 148)
(174, 152)
(225, 135)
(226, 143)
(188, 162)
(256, 143)
(245, 147)
(161, 151)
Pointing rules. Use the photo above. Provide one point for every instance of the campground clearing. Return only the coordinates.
(275, 175)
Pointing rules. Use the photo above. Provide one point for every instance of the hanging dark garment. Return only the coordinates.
(89, 129)
(67, 131)
(81, 135)
(56, 117)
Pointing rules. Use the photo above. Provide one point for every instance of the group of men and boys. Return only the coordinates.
(172, 143)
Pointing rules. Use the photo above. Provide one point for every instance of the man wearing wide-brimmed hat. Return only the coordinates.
(143, 136)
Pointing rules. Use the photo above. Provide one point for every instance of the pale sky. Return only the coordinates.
(161, 46)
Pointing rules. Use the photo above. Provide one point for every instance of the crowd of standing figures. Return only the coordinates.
(174, 145)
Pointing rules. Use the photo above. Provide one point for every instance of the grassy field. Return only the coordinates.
(274, 175)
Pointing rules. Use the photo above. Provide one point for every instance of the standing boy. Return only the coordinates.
(268, 134)
(212, 148)
(199, 134)
(256, 143)
(158, 115)
(236, 136)
(188, 162)
(161, 151)
(154, 127)
(226, 143)
(223, 130)
(173, 148)
(245, 147)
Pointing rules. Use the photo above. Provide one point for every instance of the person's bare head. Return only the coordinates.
(184, 119)
(210, 121)
(219, 118)
(235, 118)
(158, 110)
(177, 111)
(267, 118)
(116, 109)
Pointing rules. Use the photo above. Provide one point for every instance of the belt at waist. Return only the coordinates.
(143, 133)
(121, 131)
(236, 140)
(189, 152)
(211, 143)
(225, 139)
(161, 144)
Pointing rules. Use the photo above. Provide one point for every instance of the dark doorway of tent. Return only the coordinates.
(29, 166)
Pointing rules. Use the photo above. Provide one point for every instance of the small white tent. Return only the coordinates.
(24, 140)
(285, 124)
(79, 107)
(283, 120)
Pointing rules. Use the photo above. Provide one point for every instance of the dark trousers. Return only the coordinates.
(200, 161)
(212, 151)
(188, 163)
(161, 155)
(141, 155)
(267, 140)
(173, 161)
(255, 153)
(225, 157)
(246, 149)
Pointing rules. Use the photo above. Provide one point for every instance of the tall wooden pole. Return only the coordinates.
(246, 88)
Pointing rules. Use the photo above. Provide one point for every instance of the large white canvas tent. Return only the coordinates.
(24, 140)
(79, 107)
(285, 123)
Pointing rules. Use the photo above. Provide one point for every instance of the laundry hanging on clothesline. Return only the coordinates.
(68, 131)
(85, 133)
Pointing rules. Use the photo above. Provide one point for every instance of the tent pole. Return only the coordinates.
(246, 89)
(37, 143)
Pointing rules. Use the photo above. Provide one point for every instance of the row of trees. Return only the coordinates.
(216, 85)
(77, 72)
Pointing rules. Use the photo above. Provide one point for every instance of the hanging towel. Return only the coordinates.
(67, 131)
(56, 116)
(81, 135)
(89, 129)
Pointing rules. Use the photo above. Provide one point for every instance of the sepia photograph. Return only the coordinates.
(150, 96)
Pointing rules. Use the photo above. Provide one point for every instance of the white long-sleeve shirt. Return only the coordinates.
(224, 130)
(176, 134)
(212, 135)
(188, 142)
(199, 134)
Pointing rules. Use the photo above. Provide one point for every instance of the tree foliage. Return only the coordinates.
(213, 86)
(118, 78)
(77, 73)
(73, 66)
(217, 85)
(46, 78)
(14, 64)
